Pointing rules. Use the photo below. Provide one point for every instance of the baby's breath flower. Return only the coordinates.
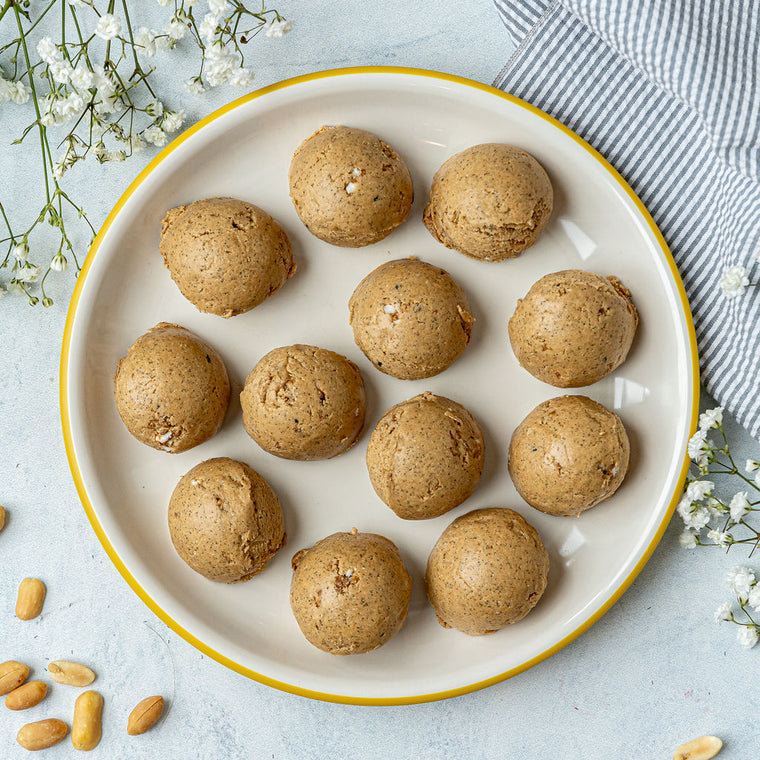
(241, 77)
(61, 71)
(172, 121)
(195, 86)
(687, 539)
(733, 281)
(739, 505)
(751, 465)
(155, 136)
(753, 598)
(59, 263)
(693, 515)
(82, 78)
(28, 273)
(155, 108)
(47, 51)
(108, 26)
(747, 635)
(164, 2)
(21, 252)
(19, 93)
(698, 489)
(175, 29)
(218, 8)
(724, 613)
(116, 155)
(741, 580)
(720, 538)
(145, 39)
(207, 28)
(699, 447)
(279, 27)
(711, 418)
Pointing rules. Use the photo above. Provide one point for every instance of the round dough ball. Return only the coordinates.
(573, 328)
(410, 319)
(171, 389)
(225, 521)
(304, 402)
(349, 187)
(425, 456)
(226, 256)
(568, 454)
(350, 592)
(487, 570)
(489, 202)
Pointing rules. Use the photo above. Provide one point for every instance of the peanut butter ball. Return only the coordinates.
(488, 570)
(573, 328)
(225, 521)
(425, 456)
(171, 389)
(411, 319)
(350, 592)
(568, 454)
(304, 402)
(349, 187)
(489, 202)
(225, 255)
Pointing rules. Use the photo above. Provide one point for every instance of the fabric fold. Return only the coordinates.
(669, 93)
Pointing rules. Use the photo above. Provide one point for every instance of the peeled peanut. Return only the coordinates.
(2, 518)
(145, 715)
(26, 696)
(86, 726)
(70, 673)
(42, 734)
(31, 596)
(699, 749)
(12, 675)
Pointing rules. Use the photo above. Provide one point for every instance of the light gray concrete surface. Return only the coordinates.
(653, 672)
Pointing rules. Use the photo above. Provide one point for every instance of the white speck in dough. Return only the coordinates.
(165, 437)
(350, 187)
(356, 172)
(389, 308)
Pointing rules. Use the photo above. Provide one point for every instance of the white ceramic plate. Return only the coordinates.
(244, 151)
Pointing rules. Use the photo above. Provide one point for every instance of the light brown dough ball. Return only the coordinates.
(304, 402)
(488, 570)
(349, 187)
(225, 521)
(573, 328)
(410, 319)
(489, 202)
(226, 256)
(350, 592)
(171, 389)
(568, 454)
(425, 456)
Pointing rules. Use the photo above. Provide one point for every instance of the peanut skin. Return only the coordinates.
(86, 727)
(26, 696)
(41, 734)
(145, 715)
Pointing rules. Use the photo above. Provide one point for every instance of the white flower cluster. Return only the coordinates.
(735, 280)
(698, 506)
(17, 92)
(744, 586)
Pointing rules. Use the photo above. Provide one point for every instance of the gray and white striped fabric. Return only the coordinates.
(669, 92)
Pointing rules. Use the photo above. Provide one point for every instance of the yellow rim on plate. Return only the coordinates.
(66, 417)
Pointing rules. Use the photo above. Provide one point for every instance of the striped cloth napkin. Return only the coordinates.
(669, 92)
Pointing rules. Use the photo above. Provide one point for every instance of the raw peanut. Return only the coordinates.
(31, 595)
(145, 715)
(12, 675)
(42, 734)
(2, 518)
(26, 696)
(70, 673)
(699, 749)
(86, 726)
